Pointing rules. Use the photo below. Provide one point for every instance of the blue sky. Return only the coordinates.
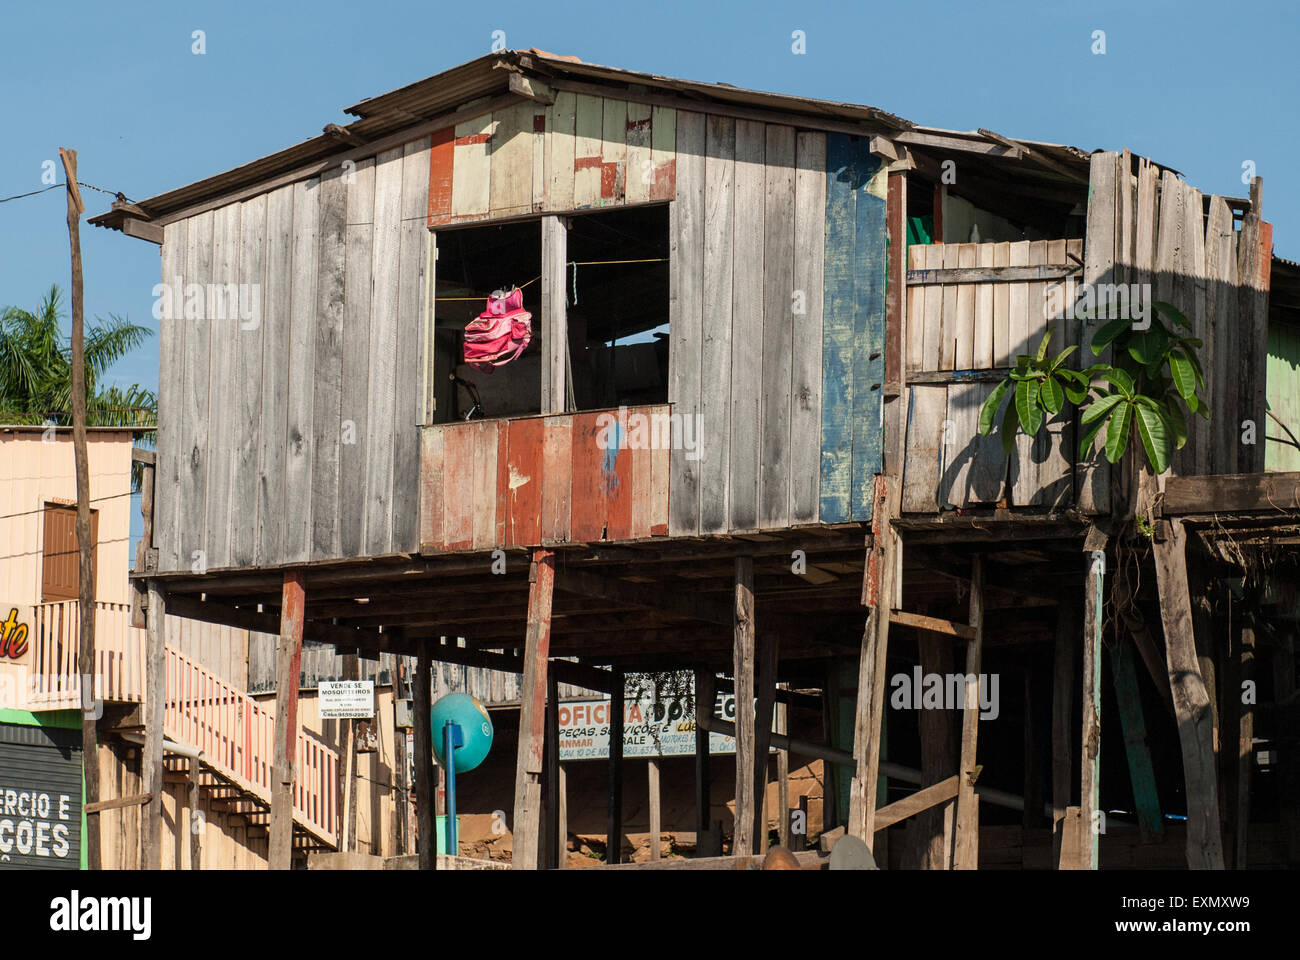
(1200, 86)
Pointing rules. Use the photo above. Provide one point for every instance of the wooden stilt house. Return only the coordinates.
(743, 441)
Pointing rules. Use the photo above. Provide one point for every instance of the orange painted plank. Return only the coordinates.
(589, 486)
(431, 469)
(524, 482)
(458, 485)
(440, 172)
(616, 478)
(557, 467)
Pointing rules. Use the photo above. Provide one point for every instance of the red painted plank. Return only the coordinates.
(557, 466)
(458, 485)
(440, 167)
(589, 488)
(664, 186)
(524, 482)
(431, 469)
(616, 476)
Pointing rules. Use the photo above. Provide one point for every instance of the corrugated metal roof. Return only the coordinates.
(481, 78)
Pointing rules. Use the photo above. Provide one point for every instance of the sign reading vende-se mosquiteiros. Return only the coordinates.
(346, 699)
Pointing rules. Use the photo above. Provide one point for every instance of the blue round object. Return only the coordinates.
(475, 729)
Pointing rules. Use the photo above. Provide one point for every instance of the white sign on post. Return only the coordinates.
(346, 699)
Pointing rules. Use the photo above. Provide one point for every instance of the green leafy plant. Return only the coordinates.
(1147, 388)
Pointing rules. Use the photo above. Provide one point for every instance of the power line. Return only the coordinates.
(115, 194)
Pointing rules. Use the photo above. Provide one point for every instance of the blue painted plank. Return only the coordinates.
(868, 333)
(837, 331)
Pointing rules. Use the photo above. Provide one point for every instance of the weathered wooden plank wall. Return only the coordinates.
(578, 153)
(1144, 227)
(580, 477)
(296, 398)
(948, 463)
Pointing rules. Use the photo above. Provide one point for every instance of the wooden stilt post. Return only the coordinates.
(783, 776)
(656, 819)
(196, 823)
(614, 832)
(743, 666)
(965, 852)
(563, 817)
(155, 704)
(555, 841)
(1288, 728)
(1191, 701)
(934, 829)
(532, 711)
(1141, 771)
(1090, 746)
(1067, 643)
(292, 603)
(426, 782)
(704, 701)
(765, 682)
(1245, 744)
(868, 727)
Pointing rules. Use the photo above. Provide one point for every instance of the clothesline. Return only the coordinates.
(571, 263)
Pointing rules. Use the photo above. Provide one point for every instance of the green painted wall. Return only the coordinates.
(67, 720)
(1283, 396)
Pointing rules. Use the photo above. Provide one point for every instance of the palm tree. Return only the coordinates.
(36, 370)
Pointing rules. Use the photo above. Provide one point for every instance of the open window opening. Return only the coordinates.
(614, 283)
(472, 263)
(617, 293)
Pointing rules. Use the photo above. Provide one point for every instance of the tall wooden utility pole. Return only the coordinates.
(85, 579)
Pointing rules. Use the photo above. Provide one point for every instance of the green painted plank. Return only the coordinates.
(1141, 771)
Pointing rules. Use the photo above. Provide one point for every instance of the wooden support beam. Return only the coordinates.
(532, 711)
(935, 141)
(1138, 750)
(292, 601)
(531, 89)
(1037, 156)
(155, 700)
(426, 783)
(743, 671)
(555, 328)
(136, 800)
(934, 828)
(555, 840)
(1090, 746)
(965, 853)
(1191, 702)
(918, 802)
(1231, 493)
(868, 725)
(195, 826)
(704, 694)
(142, 230)
(765, 692)
(614, 831)
(932, 624)
(783, 777)
(1245, 744)
(1068, 628)
(656, 813)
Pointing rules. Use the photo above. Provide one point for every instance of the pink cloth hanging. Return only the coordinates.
(501, 333)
